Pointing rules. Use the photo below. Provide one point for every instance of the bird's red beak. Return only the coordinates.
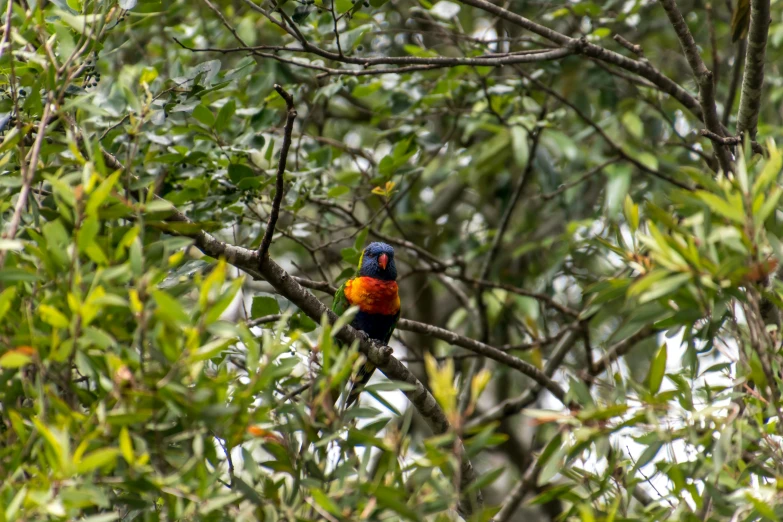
(383, 260)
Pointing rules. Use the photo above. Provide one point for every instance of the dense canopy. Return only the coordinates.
(583, 200)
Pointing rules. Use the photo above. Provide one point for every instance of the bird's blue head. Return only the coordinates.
(377, 261)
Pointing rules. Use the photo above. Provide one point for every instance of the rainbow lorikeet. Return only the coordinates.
(374, 290)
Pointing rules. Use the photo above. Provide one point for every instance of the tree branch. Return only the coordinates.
(634, 48)
(412, 63)
(486, 350)
(736, 73)
(704, 79)
(28, 174)
(753, 79)
(263, 250)
(642, 68)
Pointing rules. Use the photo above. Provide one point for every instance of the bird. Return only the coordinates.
(373, 288)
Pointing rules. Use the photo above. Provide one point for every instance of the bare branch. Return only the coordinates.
(263, 250)
(28, 174)
(713, 44)
(571, 184)
(704, 79)
(753, 79)
(731, 140)
(9, 12)
(412, 63)
(723, 140)
(736, 73)
(634, 48)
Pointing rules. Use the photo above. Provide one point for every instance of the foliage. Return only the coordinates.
(589, 295)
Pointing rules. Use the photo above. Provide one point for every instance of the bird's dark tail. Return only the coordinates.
(361, 378)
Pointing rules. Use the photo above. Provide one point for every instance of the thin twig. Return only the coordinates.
(731, 140)
(565, 186)
(723, 140)
(736, 74)
(263, 250)
(634, 48)
(713, 44)
(27, 177)
(415, 63)
(9, 12)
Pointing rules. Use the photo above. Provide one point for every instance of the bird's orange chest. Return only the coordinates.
(373, 296)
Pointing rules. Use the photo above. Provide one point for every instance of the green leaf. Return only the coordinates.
(148, 75)
(248, 491)
(366, 89)
(520, 145)
(770, 171)
(224, 115)
(217, 503)
(169, 307)
(647, 455)
(263, 305)
(237, 172)
(662, 287)
(770, 204)
(98, 459)
(617, 188)
(211, 349)
(82, 24)
(300, 321)
(486, 479)
(390, 386)
(631, 211)
(14, 359)
(99, 195)
(633, 124)
(764, 509)
(53, 316)
(337, 191)
(325, 502)
(657, 370)
(551, 459)
(126, 446)
(203, 115)
(722, 207)
(7, 297)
